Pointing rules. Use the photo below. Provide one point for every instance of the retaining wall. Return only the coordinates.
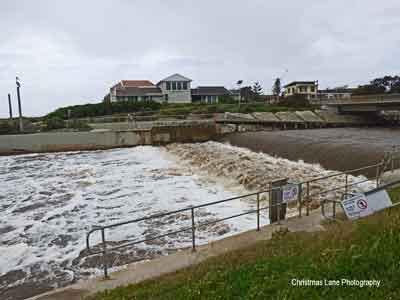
(74, 141)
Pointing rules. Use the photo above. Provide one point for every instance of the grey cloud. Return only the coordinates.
(70, 52)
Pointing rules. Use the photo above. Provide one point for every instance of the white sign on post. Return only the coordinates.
(364, 205)
(290, 192)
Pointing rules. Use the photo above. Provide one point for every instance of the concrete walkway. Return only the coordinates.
(137, 272)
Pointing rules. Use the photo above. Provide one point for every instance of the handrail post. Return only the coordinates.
(392, 162)
(299, 199)
(193, 231)
(334, 209)
(258, 211)
(346, 184)
(377, 176)
(279, 203)
(308, 199)
(103, 241)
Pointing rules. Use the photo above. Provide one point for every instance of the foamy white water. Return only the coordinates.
(49, 202)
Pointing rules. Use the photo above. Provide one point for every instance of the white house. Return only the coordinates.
(176, 89)
(173, 89)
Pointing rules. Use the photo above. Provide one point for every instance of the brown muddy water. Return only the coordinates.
(334, 148)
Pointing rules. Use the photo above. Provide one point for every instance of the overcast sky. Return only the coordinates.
(70, 52)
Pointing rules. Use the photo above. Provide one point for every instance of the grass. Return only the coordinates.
(364, 250)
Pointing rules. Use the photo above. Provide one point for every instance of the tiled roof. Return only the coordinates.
(136, 83)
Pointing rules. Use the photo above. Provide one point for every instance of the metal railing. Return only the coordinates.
(194, 225)
(304, 199)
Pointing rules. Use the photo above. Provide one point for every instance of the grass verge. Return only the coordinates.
(364, 250)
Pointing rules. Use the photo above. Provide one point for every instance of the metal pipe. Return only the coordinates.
(193, 231)
(377, 176)
(258, 212)
(299, 199)
(21, 123)
(10, 106)
(103, 240)
(278, 208)
(337, 188)
(308, 199)
(334, 209)
(344, 172)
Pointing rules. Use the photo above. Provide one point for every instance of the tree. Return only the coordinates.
(256, 90)
(386, 84)
(390, 84)
(276, 88)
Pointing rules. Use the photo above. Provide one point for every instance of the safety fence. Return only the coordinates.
(272, 200)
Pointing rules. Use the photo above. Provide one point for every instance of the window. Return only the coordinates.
(173, 85)
(312, 89)
(184, 85)
(132, 98)
(179, 85)
(168, 85)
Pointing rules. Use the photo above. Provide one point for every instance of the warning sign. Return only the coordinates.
(364, 205)
(290, 192)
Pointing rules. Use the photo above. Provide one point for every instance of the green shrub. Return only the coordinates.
(8, 127)
(54, 123)
(79, 125)
(226, 100)
(102, 109)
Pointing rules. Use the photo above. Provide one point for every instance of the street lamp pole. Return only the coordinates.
(239, 83)
(21, 123)
(10, 106)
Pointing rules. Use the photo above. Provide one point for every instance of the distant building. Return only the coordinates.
(135, 90)
(209, 94)
(342, 93)
(235, 94)
(173, 89)
(176, 89)
(308, 89)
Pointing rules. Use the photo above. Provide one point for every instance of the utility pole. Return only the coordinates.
(21, 123)
(239, 83)
(10, 106)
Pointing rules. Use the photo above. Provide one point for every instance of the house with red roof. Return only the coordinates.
(172, 89)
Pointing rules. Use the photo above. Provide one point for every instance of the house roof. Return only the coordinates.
(175, 77)
(136, 83)
(139, 91)
(210, 90)
(299, 82)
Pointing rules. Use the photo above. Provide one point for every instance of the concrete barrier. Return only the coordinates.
(229, 115)
(265, 116)
(287, 116)
(308, 116)
(332, 117)
(99, 139)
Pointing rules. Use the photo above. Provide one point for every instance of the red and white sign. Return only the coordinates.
(361, 205)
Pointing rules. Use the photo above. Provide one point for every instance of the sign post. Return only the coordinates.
(277, 208)
(363, 205)
(290, 192)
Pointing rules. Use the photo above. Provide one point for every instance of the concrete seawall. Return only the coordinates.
(92, 140)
